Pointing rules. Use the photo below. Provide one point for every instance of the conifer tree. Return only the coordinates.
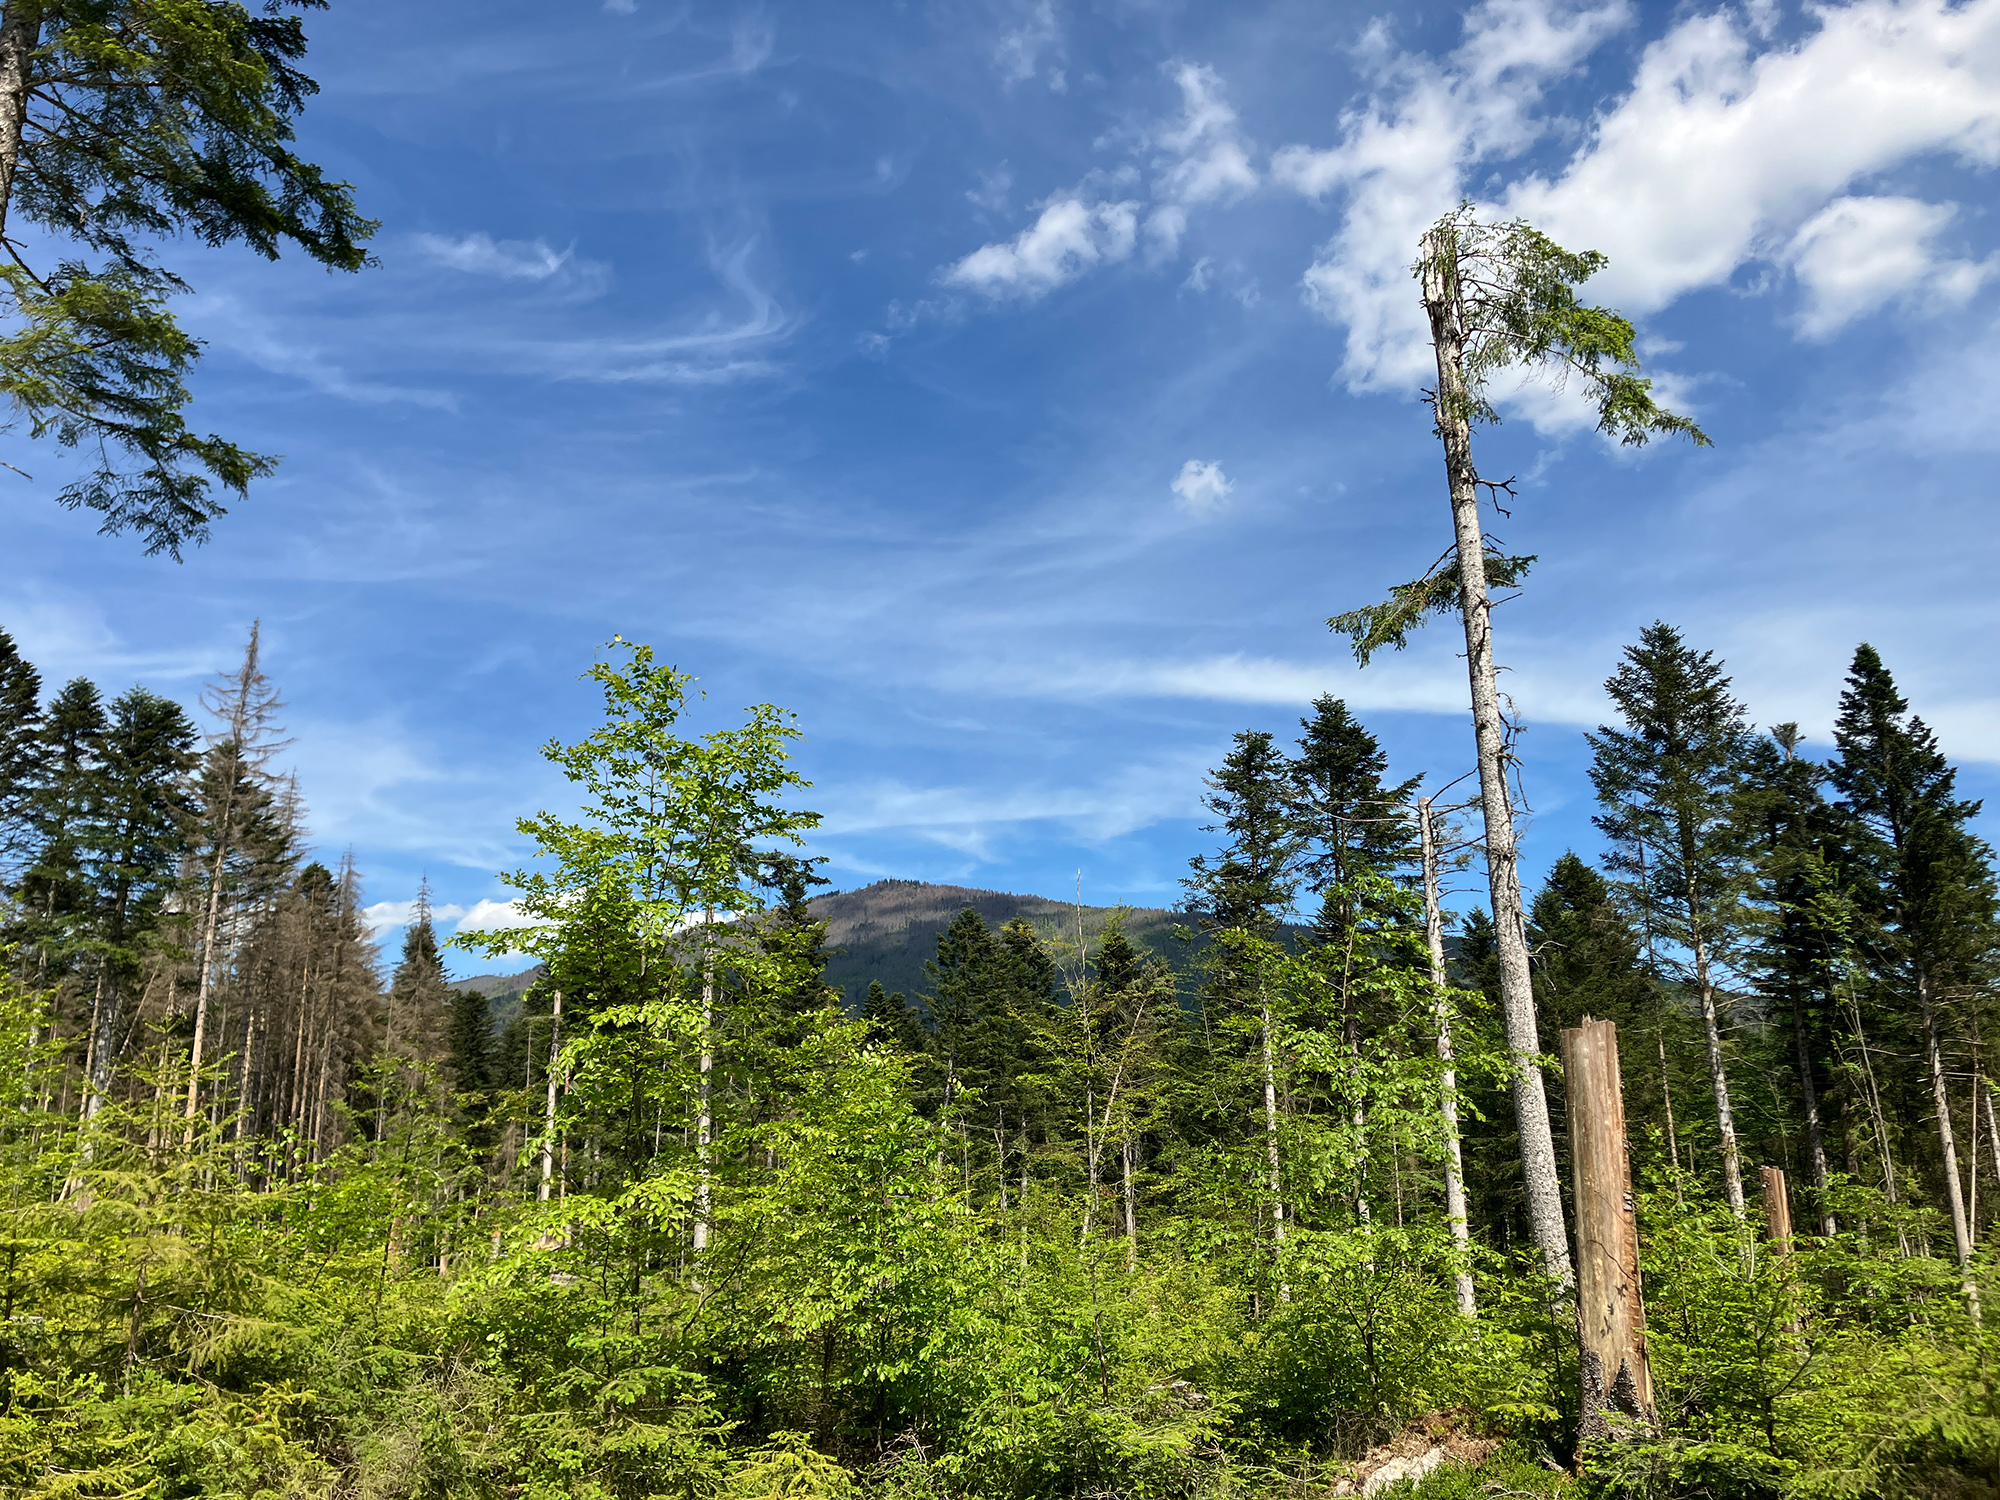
(893, 1020)
(963, 977)
(419, 1010)
(1932, 895)
(1240, 897)
(20, 734)
(236, 830)
(1248, 886)
(133, 858)
(1586, 959)
(123, 123)
(1668, 782)
(469, 1040)
(1800, 850)
(54, 893)
(1350, 821)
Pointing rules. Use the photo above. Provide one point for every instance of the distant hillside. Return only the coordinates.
(503, 992)
(887, 930)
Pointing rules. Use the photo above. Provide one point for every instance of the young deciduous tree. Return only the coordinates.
(1504, 296)
(122, 123)
(663, 865)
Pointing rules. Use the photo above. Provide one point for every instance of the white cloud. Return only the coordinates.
(991, 194)
(1202, 488)
(480, 254)
(1405, 155)
(1206, 160)
(1018, 54)
(1068, 239)
(1199, 158)
(1857, 254)
(387, 916)
(1719, 152)
(484, 916)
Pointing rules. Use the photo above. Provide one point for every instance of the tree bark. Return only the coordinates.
(549, 1113)
(1718, 1076)
(1615, 1369)
(704, 1121)
(1815, 1131)
(1961, 1231)
(1131, 1211)
(1454, 1161)
(1517, 1000)
(20, 34)
(1271, 1133)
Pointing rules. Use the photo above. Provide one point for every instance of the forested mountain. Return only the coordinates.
(884, 933)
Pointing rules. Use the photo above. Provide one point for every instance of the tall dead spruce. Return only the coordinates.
(1501, 295)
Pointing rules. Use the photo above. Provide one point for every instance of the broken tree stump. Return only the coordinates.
(1617, 1378)
(1777, 1210)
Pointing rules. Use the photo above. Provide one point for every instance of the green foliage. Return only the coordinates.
(1373, 627)
(146, 121)
(1515, 292)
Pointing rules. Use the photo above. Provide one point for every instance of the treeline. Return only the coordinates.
(188, 957)
(1062, 1224)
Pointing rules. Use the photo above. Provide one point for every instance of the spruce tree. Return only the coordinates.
(1586, 958)
(133, 856)
(1248, 886)
(1667, 782)
(1932, 896)
(20, 738)
(893, 1020)
(1350, 821)
(469, 1041)
(54, 895)
(1240, 898)
(962, 978)
(1799, 848)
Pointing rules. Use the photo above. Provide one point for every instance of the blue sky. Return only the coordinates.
(1014, 388)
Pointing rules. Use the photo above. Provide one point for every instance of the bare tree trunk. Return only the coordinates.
(1131, 1211)
(704, 1121)
(1659, 1017)
(1277, 1184)
(20, 34)
(1718, 1077)
(1815, 1132)
(103, 1041)
(1517, 1000)
(549, 1114)
(1984, 1091)
(1961, 1231)
(1615, 1367)
(1454, 1161)
(205, 980)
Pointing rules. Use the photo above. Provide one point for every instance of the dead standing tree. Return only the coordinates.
(1500, 296)
(1613, 1367)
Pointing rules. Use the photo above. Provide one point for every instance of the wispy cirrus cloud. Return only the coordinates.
(479, 254)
